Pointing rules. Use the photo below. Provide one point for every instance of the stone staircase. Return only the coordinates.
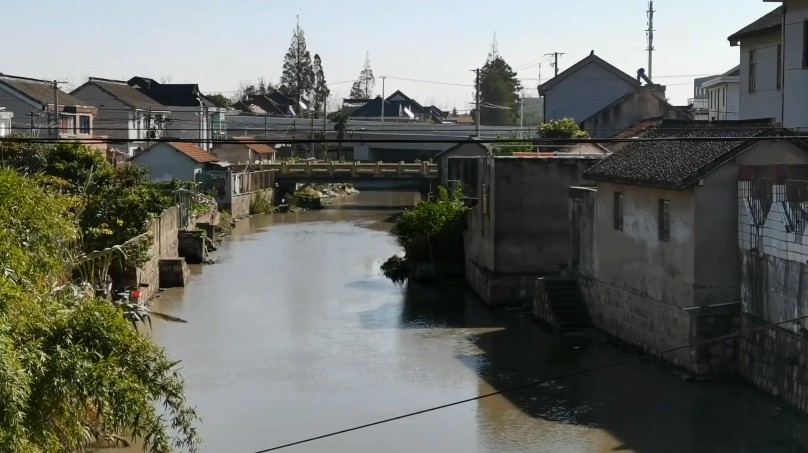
(560, 303)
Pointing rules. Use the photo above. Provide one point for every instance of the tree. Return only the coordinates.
(71, 368)
(219, 100)
(563, 128)
(321, 90)
(363, 86)
(499, 93)
(298, 74)
(340, 125)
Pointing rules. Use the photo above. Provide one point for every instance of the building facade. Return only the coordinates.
(33, 103)
(723, 95)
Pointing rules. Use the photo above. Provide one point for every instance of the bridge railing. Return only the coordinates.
(353, 169)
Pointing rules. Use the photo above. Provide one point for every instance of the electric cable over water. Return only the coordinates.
(529, 384)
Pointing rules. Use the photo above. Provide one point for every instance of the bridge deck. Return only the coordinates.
(349, 170)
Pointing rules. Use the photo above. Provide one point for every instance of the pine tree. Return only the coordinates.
(321, 90)
(499, 92)
(356, 91)
(298, 74)
(363, 87)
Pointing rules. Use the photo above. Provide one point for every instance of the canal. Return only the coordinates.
(294, 333)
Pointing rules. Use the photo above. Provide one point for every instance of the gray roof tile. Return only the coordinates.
(675, 164)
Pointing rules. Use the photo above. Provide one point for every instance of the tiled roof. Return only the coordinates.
(675, 164)
(590, 59)
(172, 94)
(767, 23)
(40, 91)
(260, 148)
(196, 153)
(120, 90)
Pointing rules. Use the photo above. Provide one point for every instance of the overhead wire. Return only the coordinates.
(534, 383)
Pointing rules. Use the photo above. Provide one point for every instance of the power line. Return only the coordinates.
(363, 139)
(533, 383)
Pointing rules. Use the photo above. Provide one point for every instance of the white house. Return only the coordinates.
(124, 113)
(774, 65)
(723, 95)
(795, 64)
(245, 150)
(760, 93)
(174, 160)
(5, 122)
(193, 116)
(31, 101)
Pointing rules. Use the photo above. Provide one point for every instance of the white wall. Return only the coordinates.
(165, 163)
(766, 100)
(795, 76)
(723, 101)
(19, 108)
(584, 93)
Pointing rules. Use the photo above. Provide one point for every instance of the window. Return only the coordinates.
(67, 124)
(779, 66)
(618, 211)
(752, 70)
(84, 124)
(664, 220)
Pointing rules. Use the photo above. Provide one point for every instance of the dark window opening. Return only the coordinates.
(779, 66)
(84, 124)
(618, 211)
(664, 220)
(752, 70)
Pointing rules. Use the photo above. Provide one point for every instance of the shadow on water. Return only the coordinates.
(645, 409)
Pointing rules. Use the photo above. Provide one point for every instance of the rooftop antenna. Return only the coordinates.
(650, 34)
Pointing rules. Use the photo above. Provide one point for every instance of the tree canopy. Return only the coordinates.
(499, 93)
(321, 90)
(563, 128)
(72, 371)
(363, 86)
(297, 78)
(219, 100)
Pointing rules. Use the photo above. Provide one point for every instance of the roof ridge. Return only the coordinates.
(28, 79)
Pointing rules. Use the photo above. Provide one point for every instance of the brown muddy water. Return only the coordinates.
(294, 333)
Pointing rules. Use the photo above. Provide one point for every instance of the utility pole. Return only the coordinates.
(477, 102)
(383, 77)
(522, 113)
(56, 105)
(32, 115)
(554, 64)
(650, 33)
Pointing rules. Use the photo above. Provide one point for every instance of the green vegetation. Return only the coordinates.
(72, 371)
(431, 231)
(563, 128)
(261, 206)
(111, 204)
(507, 149)
(219, 100)
(499, 89)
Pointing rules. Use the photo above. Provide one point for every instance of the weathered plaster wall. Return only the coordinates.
(716, 273)
(635, 260)
(519, 229)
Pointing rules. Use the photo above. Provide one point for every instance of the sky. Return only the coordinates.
(219, 44)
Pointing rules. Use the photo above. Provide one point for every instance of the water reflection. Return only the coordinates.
(295, 333)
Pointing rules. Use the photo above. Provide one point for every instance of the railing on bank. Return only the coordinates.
(251, 181)
(353, 169)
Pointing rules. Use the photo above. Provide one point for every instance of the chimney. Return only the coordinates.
(641, 75)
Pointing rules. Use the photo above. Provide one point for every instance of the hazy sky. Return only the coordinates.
(217, 44)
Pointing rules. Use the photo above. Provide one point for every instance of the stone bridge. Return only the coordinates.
(331, 172)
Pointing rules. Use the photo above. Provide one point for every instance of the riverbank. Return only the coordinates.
(340, 345)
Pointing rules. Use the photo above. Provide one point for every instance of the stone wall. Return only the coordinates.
(776, 360)
(643, 322)
(655, 326)
(163, 231)
(240, 204)
(499, 289)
